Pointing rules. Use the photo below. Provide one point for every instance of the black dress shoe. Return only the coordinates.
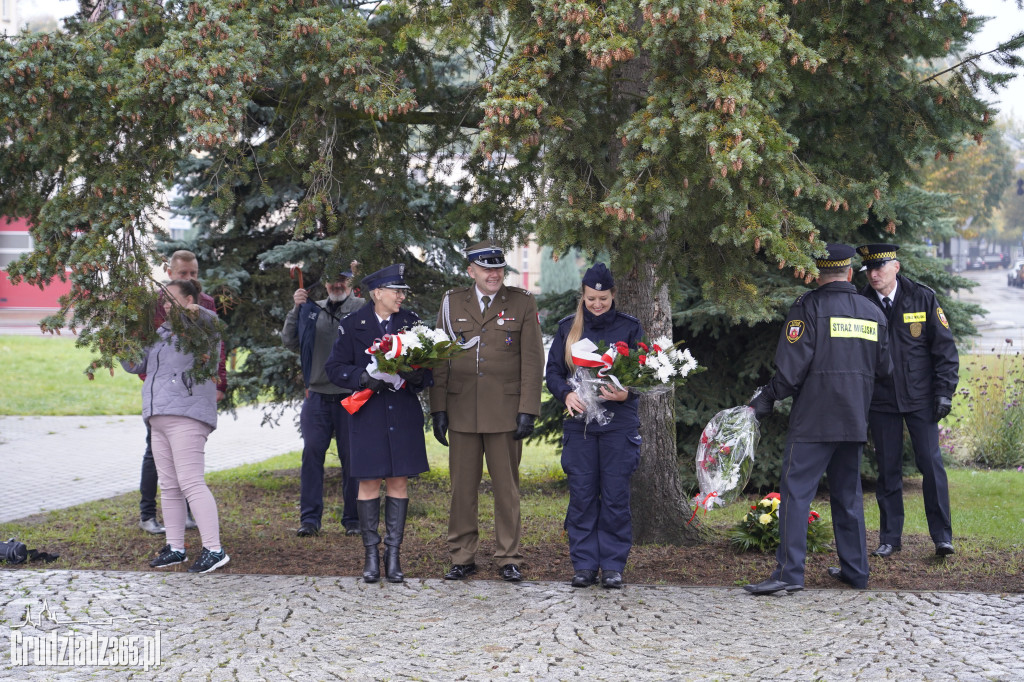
(771, 586)
(611, 579)
(837, 573)
(510, 573)
(308, 530)
(584, 578)
(943, 548)
(886, 550)
(353, 530)
(460, 571)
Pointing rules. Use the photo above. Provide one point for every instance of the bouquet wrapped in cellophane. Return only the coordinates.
(418, 348)
(725, 456)
(651, 366)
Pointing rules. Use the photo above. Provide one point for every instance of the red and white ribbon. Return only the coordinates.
(584, 354)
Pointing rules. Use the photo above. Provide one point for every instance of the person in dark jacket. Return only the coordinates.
(386, 434)
(598, 460)
(919, 393)
(181, 413)
(833, 347)
(310, 330)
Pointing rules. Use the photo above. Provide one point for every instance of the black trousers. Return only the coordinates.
(887, 434)
(802, 467)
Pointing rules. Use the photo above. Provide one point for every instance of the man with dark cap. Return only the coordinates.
(488, 397)
(919, 393)
(310, 330)
(832, 348)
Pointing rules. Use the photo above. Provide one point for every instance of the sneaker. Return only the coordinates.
(209, 561)
(168, 557)
(190, 523)
(151, 526)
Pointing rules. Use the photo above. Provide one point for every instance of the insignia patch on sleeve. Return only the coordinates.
(794, 330)
(942, 317)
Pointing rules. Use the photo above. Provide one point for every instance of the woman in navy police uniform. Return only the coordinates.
(598, 460)
(386, 434)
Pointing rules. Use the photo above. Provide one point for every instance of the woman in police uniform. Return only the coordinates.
(386, 434)
(598, 460)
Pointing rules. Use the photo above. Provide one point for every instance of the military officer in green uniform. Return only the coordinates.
(485, 402)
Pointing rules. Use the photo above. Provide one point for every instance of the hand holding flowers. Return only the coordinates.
(403, 353)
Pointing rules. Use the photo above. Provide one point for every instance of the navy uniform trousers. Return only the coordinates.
(323, 418)
(598, 520)
(887, 435)
(802, 467)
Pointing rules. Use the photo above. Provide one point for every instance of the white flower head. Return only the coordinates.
(409, 341)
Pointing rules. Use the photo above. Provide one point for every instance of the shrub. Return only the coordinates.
(987, 428)
(759, 529)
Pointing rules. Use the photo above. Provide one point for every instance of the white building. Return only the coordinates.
(9, 22)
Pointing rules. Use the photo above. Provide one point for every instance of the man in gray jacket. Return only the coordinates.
(310, 330)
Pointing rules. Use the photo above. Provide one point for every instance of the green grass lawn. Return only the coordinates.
(44, 376)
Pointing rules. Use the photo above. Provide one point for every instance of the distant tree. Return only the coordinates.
(559, 275)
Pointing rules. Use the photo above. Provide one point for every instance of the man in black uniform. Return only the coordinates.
(920, 393)
(831, 351)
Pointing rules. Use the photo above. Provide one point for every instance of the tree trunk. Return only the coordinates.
(661, 512)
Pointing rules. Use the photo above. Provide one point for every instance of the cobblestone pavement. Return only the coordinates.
(239, 627)
(56, 462)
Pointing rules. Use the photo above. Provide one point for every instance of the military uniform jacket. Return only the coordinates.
(830, 353)
(499, 376)
(924, 356)
(386, 434)
(610, 327)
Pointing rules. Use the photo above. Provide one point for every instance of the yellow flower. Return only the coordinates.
(775, 504)
(765, 519)
(765, 503)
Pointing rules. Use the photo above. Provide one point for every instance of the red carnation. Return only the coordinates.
(643, 346)
(385, 344)
(726, 449)
(642, 359)
(657, 348)
(621, 348)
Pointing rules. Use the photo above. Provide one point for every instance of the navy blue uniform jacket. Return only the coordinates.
(386, 435)
(831, 350)
(610, 327)
(924, 356)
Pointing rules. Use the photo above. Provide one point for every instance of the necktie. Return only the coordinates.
(887, 306)
(487, 302)
(387, 326)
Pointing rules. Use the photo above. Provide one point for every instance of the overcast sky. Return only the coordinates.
(1007, 19)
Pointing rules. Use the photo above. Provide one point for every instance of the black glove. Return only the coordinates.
(440, 427)
(524, 426)
(763, 403)
(942, 406)
(372, 383)
(413, 377)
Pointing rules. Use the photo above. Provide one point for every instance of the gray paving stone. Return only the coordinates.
(239, 627)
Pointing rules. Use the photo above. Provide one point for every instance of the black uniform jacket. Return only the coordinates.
(831, 351)
(924, 356)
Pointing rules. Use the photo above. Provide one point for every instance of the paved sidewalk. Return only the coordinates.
(238, 627)
(56, 462)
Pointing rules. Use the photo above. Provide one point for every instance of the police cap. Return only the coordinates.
(391, 277)
(838, 256)
(876, 255)
(599, 277)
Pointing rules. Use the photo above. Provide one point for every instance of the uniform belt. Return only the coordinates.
(331, 397)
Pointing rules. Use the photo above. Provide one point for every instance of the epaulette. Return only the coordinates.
(628, 317)
(520, 290)
(457, 290)
(801, 297)
(566, 318)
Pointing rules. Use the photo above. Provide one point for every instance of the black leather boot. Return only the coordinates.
(369, 520)
(395, 510)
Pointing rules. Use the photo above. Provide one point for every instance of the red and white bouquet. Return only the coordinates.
(651, 366)
(725, 456)
(418, 348)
